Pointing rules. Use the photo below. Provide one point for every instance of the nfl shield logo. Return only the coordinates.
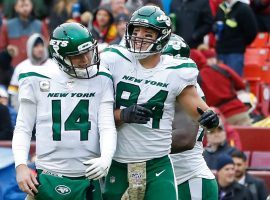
(44, 86)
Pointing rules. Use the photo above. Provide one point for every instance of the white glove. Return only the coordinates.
(98, 168)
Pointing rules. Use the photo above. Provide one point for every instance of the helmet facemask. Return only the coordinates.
(144, 47)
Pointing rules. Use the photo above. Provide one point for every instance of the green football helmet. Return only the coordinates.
(177, 47)
(73, 39)
(150, 17)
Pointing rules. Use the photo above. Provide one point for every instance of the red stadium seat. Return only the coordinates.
(254, 138)
(256, 56)
(261, 40)
(256, 64)
(260, 160)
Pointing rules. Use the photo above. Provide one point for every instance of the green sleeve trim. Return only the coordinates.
(200, 138)
(105, 74)
(204, 99)
(111, 49)
(184, 65)
(24, 75)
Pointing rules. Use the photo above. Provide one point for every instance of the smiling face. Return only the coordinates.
(143, 37)
(226, 175)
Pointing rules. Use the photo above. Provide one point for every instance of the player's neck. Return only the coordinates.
(150, 61)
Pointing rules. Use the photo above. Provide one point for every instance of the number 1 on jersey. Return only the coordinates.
(77, 120)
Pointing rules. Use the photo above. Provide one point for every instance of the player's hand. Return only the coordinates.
(136, 114)
(26, 180)
(209, 119)
(98, 167)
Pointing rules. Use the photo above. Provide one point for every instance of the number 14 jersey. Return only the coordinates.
(66, 116)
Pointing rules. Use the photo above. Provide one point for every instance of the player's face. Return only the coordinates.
(240, 167)
(143, 37)
(82, 61)
(226, 175)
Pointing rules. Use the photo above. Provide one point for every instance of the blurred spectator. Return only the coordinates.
(236, 27)
(251, 101)
(232, 136)
(37, 54)
(223, 95)
(6, 129)
(102, 28)
(6, 70)
(261, 9)
(133, 5)
(64, 11)
(4, 99)
(61, 11)
(214, 4)
(16, 31)
(256, 186)
(120, 22)
(193, 20)
(116, 7)
(40, 9)
(1, 13)
(229, 189)
(89, 5)
(216, 145)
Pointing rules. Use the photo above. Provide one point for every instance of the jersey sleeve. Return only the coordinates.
(186, 74)
(107, 59)
(199, 90)
(107, 88)
(26, 89)
(106, 124)
(23, 131)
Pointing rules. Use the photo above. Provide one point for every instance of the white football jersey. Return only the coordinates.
(26, 65)
(190, 164)
(67, 113)
(157, 88)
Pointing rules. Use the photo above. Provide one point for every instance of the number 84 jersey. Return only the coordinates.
(66, 116)
(157, 88)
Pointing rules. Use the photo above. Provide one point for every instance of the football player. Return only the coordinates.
(147, 85)
(72, 107)
(194, 179)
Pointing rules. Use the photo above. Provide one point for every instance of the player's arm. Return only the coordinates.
(21, 144)
(184, 132)
(196, 108)
(98, 167)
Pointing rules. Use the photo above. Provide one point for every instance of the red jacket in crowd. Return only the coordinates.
(220, 85)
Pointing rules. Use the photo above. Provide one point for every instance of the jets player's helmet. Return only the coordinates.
(177, 47)
(70, 40)
(150, 17)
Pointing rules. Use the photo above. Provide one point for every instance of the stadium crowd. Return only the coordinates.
(216, 35)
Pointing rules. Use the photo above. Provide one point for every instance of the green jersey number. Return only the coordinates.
(156, 103)
(77, 120)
